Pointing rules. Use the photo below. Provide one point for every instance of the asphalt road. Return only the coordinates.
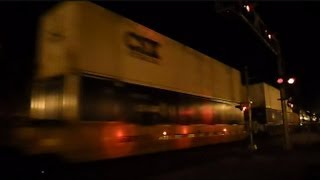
(229, 161)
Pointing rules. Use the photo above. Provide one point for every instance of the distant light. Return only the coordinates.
(280, 80)
(291, 80)
(269, 36)
(164, 133)
(185, 130)
(120, 133)
(224, 129)
(248, 8)
(314, 118)
(42, 172)
(301, 117)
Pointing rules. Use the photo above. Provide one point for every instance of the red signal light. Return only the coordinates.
(280, 80)
(242, 106)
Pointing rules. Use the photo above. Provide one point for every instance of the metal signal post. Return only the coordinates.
(250, 17)
(252, 146)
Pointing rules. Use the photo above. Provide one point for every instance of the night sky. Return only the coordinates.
(195, 24)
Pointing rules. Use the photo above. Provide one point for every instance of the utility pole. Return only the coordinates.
(252, 146)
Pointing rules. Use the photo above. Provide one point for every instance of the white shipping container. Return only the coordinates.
(79, 36)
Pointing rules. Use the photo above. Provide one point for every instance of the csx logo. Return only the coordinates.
(143, 45)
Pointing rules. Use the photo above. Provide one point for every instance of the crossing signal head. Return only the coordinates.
(248, 7)
(280, 80)
(242, 106)
(291, 80)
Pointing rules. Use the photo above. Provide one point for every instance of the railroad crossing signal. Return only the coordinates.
(243, 106)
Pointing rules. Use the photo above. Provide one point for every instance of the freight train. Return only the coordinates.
(107, 87)
(267, 112)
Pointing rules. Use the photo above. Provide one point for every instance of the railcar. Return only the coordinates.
(107, 87)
